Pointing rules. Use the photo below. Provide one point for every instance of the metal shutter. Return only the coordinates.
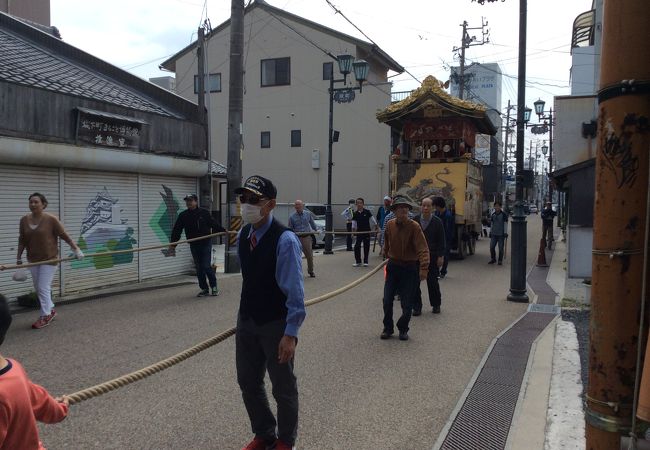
(101, 214)
(16, 184)
(162, 200)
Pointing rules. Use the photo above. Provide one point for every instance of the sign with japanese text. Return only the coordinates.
(482, 149)
(108, 130)
(344, 96)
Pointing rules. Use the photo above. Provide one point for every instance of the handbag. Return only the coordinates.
(19, 275)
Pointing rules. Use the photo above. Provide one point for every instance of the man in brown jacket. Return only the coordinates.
(405, 246)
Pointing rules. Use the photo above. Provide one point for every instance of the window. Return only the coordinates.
(276, 72)
(296, 138)
(328, 70)
(215, 83)
(266, 139)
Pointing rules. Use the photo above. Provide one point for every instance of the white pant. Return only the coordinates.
(42, 277)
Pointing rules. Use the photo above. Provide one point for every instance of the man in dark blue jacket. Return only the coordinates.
(449, 223)
(198, 222)
(434, 232)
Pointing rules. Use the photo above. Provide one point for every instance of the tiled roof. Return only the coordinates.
(25, 63)
(217, 168)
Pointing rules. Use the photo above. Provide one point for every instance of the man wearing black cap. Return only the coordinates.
(407, 252)
(197, 222)
(271, 311)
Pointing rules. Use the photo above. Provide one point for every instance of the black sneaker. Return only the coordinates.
(403, 336)
(312, 275)
(435, 310)
(500, 263)
(215, 292)
(492, 261)
(417, 313)
(203, 293)
(386, 334)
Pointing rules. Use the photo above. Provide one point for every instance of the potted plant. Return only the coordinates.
(587, 284)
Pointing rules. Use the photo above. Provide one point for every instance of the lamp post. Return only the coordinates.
(346, 64)
(542, 115)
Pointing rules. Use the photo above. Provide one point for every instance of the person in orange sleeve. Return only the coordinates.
(22, 402)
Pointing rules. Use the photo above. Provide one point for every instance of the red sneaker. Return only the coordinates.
(53, 314)
(281, 445)
(42, 322)
(260, 444)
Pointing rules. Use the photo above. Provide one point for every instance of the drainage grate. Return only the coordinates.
(484, 420)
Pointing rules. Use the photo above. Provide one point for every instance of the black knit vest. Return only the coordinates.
(261, 297)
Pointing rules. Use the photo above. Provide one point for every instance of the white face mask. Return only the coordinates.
(251, 213)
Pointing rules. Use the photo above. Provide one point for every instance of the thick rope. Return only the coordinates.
(155, 247)
(108, 386)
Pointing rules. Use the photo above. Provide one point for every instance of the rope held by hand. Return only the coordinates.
(124, 380)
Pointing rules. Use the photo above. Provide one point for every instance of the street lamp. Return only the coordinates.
(360, 68)
(548, 120)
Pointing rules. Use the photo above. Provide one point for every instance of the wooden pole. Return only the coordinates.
(619, 221)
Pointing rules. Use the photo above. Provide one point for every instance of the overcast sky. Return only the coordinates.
(137, 35)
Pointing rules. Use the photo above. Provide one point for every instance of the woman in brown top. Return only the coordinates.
(39, 233)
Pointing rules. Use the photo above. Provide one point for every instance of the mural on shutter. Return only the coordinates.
(101, 213)
(104, 230)
(162, 201)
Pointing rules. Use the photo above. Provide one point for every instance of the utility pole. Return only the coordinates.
(620, 225)
(235, 129)
(205, 182)
(463, 45)
(468, 41)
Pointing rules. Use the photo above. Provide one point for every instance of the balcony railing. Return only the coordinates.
(399, 96)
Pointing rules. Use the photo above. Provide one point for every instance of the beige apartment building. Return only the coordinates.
(286, 106)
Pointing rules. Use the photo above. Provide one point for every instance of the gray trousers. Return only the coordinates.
(256, 349)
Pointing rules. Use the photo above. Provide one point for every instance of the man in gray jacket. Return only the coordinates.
(498, 232)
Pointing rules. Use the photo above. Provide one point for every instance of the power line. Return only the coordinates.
(338, 11)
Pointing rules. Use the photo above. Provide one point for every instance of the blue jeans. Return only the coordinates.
(202, 255)
(493, 243)
(401, 280)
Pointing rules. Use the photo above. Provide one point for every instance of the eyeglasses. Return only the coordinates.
(250, 199)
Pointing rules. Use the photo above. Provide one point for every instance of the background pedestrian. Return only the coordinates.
(303, 222)
(39, 234)
(547, 223)
(347, 214)
(434, 233)
(198, 222)
(361, 220)
(447, 217)
(498, 232)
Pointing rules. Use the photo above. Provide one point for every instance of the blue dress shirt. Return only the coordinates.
(288, 274)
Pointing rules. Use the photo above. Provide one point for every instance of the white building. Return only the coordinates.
(574, 144)
(286, 106)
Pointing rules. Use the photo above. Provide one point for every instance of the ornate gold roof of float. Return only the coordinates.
(431, 94)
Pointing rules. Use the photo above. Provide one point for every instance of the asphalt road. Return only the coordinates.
(356, 391)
